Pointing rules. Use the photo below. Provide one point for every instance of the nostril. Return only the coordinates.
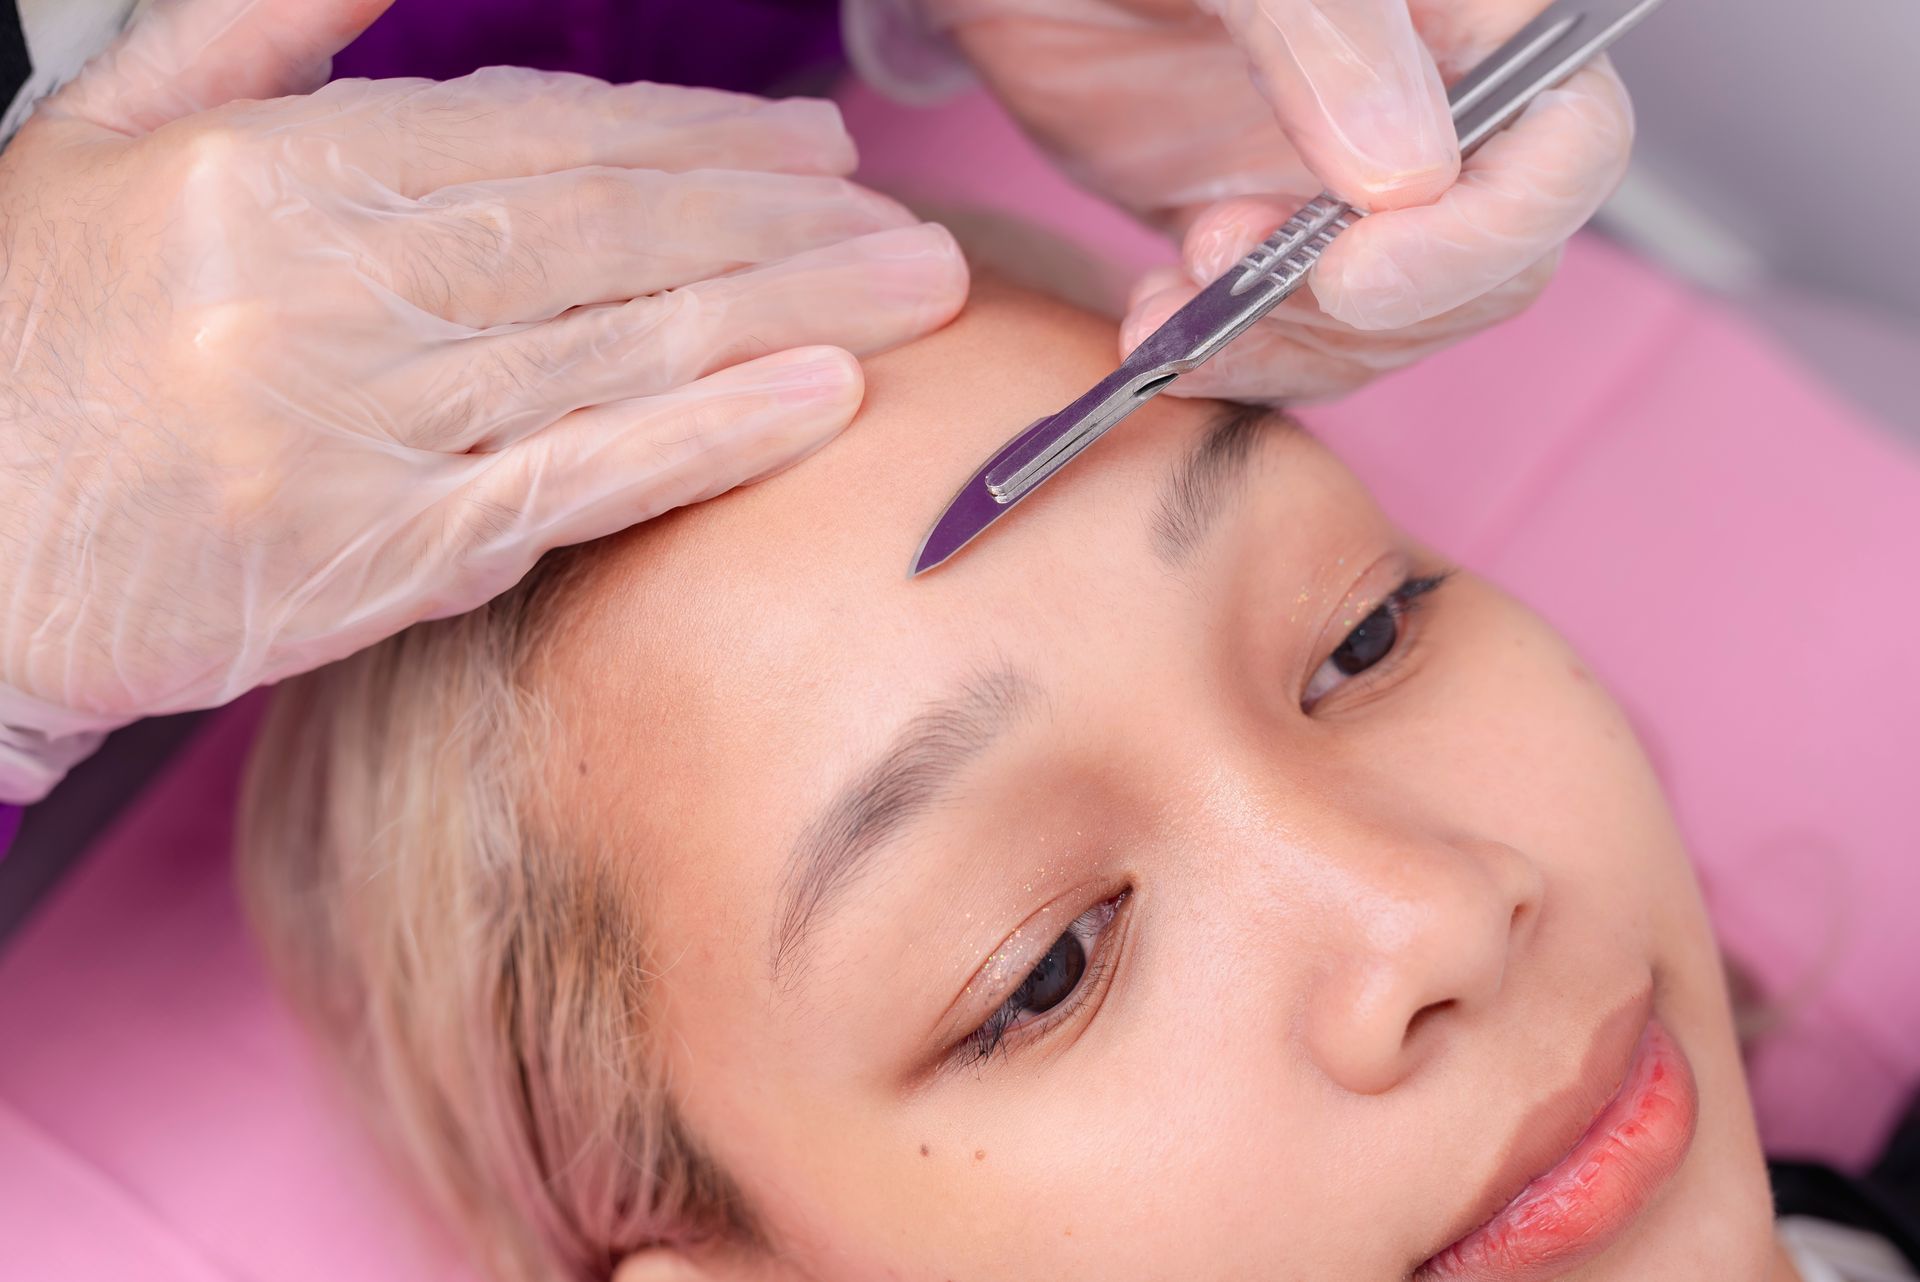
(1521, 923)
(1420, 1018)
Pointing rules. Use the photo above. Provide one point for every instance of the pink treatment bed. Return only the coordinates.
(1729, 545)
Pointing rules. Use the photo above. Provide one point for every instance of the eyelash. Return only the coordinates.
(1402, 603)
(993, 1035)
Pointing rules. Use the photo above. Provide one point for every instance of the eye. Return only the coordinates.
(1370, 642)
(1054, 979)
(1058, 982)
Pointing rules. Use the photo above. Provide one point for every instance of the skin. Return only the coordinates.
(1359, 944)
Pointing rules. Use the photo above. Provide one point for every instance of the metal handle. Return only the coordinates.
(1289, 254)
(1274, 269)
(1541, 55)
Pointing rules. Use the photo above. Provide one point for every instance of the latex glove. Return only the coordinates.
(285, 376)
(1218, 118)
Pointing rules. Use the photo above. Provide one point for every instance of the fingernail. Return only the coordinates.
(929, 273)
(1228, 233)
(1390, 133)
(1375, 294)
(1218, 246)
(1401, 153)
(1157, 281)
(883, 211)
(817, 114)
(820, 128)
(816, 370)
(910, 244)
(1149, 316)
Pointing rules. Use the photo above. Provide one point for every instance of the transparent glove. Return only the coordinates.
(1218, 118)
(285, 376)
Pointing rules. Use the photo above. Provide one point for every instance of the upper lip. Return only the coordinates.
(1549, 1130)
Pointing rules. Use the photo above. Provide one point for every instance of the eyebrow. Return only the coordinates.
(1210, 477)
(912, 774)
(903, 783)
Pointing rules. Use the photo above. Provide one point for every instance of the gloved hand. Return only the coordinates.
(1218, 118)
(285, 376)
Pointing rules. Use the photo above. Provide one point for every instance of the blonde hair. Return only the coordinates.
(482, 978)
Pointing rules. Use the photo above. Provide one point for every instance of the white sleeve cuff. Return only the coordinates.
(39, 743)
(902, 54)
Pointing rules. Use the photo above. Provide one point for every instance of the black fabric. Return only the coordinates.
(15, 66)
(1899, 1167)
(1886, 1200)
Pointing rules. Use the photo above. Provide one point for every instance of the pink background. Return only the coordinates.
(1729, 546)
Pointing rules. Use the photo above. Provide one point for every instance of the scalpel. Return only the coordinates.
(1545, 52)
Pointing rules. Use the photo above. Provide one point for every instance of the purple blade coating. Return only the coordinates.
(973, 509)
(1543, 53)
(1191, 335)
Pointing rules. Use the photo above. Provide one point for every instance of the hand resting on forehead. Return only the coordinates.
(1195, 880)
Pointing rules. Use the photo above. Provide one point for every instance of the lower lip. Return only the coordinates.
(1580, 1207)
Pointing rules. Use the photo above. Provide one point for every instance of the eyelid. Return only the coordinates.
(1406, 598)
(1011, 960)
(1380, 580)
(1102, 961)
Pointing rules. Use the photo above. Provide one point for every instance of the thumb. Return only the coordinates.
(1356, 91)
(186, 56)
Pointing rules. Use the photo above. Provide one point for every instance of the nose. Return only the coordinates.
(1423, 930)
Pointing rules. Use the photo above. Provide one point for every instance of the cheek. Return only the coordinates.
(1523, 744)
(1530, 750)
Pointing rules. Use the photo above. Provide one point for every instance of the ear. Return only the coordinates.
(185, 56)
(704, 1264)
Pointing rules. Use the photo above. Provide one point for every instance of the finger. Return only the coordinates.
(1104, 106)
(418, 136)
(1461, 33)
(1287, 358)
(1356, 92)
(1299, 353)
(1271, 363)
(528, 249)
(1528, 190)
(188, 56)
(1143, 298)
(1225, 233)
(598, 471)
(864, 295)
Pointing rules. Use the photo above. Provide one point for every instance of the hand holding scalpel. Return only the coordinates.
(1543, 54)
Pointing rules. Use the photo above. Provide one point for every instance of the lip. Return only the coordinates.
(1587, 1163)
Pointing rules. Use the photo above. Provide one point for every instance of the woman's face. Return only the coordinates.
(1178, 885)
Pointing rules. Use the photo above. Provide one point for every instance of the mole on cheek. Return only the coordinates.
(979, 1155)
(925, 1151)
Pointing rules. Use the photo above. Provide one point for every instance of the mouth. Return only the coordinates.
(1602, 1180)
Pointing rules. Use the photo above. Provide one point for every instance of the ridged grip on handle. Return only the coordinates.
(1284, 258)
(1543, 53)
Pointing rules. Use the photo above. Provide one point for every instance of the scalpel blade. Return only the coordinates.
(1542, 54)
(973, 509)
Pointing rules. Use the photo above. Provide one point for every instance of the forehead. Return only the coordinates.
(740, 656)
(812, 559)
